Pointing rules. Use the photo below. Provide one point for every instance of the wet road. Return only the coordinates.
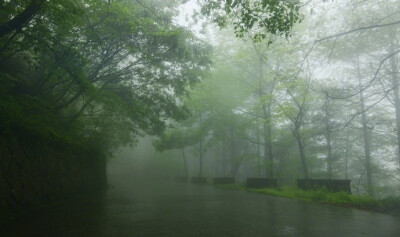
(175, 209)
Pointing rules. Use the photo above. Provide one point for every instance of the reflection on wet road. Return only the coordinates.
(175, 209)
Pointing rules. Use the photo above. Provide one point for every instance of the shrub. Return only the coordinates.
(319, 194)
(387, 205)
(339, 198)
(390, 205)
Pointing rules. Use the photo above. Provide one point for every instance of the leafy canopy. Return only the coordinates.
(255, 17)
(85, 69)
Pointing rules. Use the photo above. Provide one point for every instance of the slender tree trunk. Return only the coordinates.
(200, 151)
(328, 139)
(239, 159)
(220, 165)
(302, 154)
(232, 151)
(346, 157)
(395, 85)
(200, 157)
(329, 158)
(269, 168)
(269, 142)
(184, 162)
(367, 142)
(260, 173)
(224, 158)
(266, 109)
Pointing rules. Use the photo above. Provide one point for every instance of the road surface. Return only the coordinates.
(177, 209)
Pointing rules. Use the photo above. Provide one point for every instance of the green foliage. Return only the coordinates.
(258, 17)
(319, 195)
(387, 205)
(96, 72)
(175, 139)
(390, 205)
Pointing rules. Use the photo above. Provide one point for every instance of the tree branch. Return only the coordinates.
(22, 19)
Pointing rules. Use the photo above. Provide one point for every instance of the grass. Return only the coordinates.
(390, 205)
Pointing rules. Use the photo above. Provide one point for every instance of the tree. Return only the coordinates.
(98, 68)
(16, 23)
(177, 138)
(258, 18)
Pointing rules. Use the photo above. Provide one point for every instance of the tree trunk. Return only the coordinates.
(268, 155)
(329, 157)
(184, 162)
(219, 165)
(21, 19)
(367, 142)
(269, 142)
(200, 157)
(328, 139)
(200, 150)
(224, 157)
(302, 154)
(260, 173)
(232, 151)
(269, 168)
(346, 157)
(395, 85)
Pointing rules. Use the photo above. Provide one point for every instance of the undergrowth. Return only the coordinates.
(389, 205)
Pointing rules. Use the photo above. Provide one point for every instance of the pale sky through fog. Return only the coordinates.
(185, 19)
(185, 13)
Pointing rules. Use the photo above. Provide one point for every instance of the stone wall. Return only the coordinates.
(33, 173)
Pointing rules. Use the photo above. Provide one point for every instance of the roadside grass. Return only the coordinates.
(390, 205)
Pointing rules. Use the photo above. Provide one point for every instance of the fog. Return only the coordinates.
(199, 118)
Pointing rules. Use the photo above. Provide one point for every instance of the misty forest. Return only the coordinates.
(199, 118)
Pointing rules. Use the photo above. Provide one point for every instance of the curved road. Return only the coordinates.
(176, 209)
